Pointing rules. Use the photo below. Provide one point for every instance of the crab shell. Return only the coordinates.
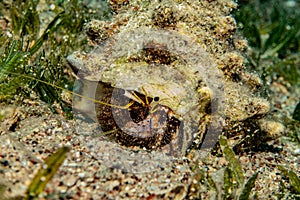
(176, 85)
(187, 86)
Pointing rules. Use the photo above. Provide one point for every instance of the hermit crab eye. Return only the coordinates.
(156, 99)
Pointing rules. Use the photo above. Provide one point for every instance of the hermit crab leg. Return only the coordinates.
(133, 96)
(154, 105)
(146, 96)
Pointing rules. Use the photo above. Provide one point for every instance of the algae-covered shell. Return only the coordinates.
(176, 84)
(182, 53)
(187, 85)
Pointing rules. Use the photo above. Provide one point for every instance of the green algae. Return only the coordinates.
(34, 48)
(46, 172)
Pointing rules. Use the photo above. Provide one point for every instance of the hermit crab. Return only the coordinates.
(166, 77)
(153, 104)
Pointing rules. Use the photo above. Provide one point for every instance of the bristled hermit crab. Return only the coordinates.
(167, 75)
(157, 87)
